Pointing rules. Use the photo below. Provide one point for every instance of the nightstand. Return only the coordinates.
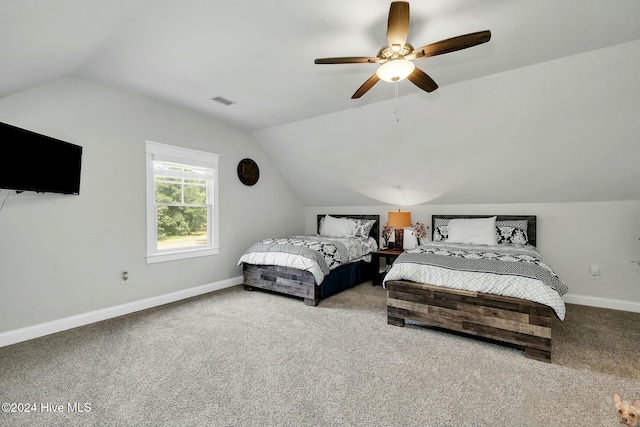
(389, 256)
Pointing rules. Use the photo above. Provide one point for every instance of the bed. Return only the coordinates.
(307, 266)
(503, 292)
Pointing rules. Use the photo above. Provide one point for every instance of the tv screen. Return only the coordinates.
(35, 162)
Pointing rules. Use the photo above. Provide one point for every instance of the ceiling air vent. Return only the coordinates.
(222, 100)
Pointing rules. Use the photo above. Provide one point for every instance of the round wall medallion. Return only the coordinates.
(248, 171)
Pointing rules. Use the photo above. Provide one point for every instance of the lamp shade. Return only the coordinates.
(399, 219)
(395, 70)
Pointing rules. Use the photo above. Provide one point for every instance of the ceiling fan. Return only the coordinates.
(395, 58)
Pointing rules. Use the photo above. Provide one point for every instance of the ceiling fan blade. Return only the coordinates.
(398, 23)
(422, 80)
(348, 60)
(366, 86)
(451, 45)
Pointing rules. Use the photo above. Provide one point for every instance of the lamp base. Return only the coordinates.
(399, 237)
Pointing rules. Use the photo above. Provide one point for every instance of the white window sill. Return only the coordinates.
(184, 254)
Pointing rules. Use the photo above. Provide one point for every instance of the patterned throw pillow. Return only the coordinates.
(511, 235)
(440, 233)
(521, 224)
(363, 226)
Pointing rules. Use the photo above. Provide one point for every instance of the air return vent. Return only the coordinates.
(223, 100)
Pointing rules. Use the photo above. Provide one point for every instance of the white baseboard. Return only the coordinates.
(31, 332)
(614, 304)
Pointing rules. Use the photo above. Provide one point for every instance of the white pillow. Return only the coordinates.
(478, 231)
(338, 227)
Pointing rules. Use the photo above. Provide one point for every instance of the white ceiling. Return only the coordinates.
(260, 53)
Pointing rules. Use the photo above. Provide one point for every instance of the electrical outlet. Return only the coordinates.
(124, 277)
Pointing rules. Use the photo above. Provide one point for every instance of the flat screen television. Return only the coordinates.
(35, 162)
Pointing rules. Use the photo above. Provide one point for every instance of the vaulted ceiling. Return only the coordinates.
(544, 112)
(260, 53)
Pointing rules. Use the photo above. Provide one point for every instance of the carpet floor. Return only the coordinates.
(238, 358)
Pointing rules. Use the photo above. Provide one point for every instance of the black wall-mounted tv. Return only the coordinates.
(35, 162)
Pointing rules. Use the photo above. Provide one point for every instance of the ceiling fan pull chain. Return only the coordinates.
(397, 108)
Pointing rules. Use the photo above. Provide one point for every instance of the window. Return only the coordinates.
(182, 203)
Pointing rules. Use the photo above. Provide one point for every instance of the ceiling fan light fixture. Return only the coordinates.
(395, 58)
(395, 70)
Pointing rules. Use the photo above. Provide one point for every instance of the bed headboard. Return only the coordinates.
(531, 222)
(375, 230)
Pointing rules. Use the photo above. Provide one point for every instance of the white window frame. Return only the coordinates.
(186, 156)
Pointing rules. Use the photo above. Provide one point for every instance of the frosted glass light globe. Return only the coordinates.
(395, 70)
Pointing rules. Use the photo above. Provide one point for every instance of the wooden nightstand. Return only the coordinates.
(389, 256)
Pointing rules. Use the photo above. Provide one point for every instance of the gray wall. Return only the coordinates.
(62, 255)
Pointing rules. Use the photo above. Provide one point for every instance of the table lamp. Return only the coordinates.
(399, 219)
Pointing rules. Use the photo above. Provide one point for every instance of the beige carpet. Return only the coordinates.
(600, 340)
(237, 358)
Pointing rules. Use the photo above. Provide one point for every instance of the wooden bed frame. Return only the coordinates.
(516, 321)
(301, 283)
